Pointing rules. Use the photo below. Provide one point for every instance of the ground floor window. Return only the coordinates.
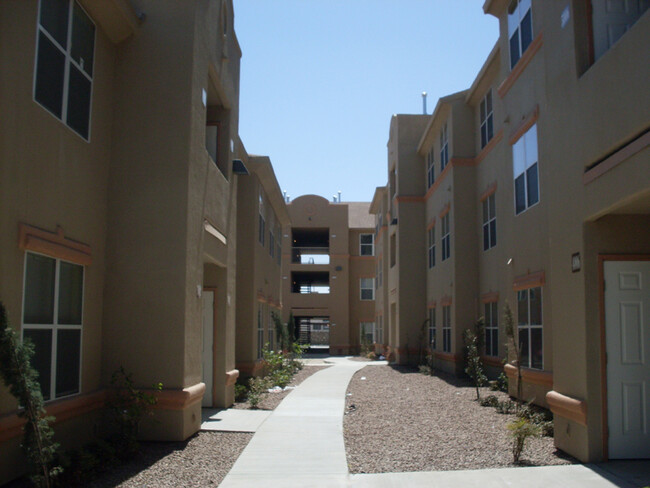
(492, 329)
(260, 331)
(432, 328)
(271, 324)
(380, 329)
(446, 328)
(529, 321)
(368, 333)
(52, 321)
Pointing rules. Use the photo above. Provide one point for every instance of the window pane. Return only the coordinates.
(495, 314)
(493, 233)
(366, 238)
(54, 17)
(526, 31)
(83, 39)
(67, 365)
(50, 69)
(532, 185)
(522, 307)
(536, 306)
(71, 277)
(530, 141)
(492, 206)
(78, 102)
(490, 127)
(514, 48)
(536, 348)
(486, 211)
(488, 342)
(484, 136)
(520, 194)
(42, 360)
(523, 344)
(39, 289)
(488, 101)
(486, 237)
(518, 158)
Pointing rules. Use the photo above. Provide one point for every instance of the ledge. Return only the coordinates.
(447, 356)
(567, 407)
(530, 280)
(519, 68)
(53, 244)
(493, 361)
(116, 17)
(178, 399)
(532, 376)
(489, 297)
(231, 377)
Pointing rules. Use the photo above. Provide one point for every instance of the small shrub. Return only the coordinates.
(506, 407)
(502, 382)
(520, 430)
(372, 356)
(489, 401)
(474, 368)
(426, 369)
(258, 386)
(538, 416)
(240, 392)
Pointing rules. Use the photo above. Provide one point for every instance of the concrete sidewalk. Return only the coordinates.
(300, 445)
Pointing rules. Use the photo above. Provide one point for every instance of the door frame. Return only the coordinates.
(603, 338)
(213, 289)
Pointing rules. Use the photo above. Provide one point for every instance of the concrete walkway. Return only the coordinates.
(300, 445)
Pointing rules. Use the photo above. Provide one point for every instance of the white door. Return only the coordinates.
(208, 342)
(627, 328)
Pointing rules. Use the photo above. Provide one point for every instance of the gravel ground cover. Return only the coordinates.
(400, 420)
(272, 400)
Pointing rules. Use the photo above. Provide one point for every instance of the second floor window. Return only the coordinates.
(487, 119)
(432, 247)
(367, 286)
(431, 176)
(444, 147)
(445, 242)
(64, 63)
(366, 245)
(524, 163)
(520, 29)
(489, 223)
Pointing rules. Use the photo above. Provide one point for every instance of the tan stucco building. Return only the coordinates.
(125, 201)
(532, 188)
(328, 274)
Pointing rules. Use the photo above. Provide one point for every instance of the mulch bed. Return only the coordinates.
(399, 420)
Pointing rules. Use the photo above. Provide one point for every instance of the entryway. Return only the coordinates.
(208, 345)
(627, 330)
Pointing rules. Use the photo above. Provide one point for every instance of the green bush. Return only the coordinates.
(241, 392)
(474, 368)
(538, 416)
(520, 430)
(257, 386)
(489, 401)
(506, 407)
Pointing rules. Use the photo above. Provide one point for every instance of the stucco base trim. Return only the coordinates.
(11, 425)
(231, 377)
(178, 399)
(447, 356)
(493, 361)
(567, 407)
(532, 376)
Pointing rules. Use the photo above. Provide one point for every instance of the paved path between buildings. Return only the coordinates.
(300, 445)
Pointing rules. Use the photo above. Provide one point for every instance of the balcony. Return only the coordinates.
(310, 282)
(310, 255)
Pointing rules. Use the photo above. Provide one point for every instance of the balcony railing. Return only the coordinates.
(310, 255)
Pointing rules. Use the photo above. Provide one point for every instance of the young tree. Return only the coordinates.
(516, 349)
(474, 368)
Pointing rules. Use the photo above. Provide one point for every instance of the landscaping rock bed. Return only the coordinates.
(400, 420)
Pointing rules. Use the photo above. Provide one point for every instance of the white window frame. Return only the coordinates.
(55, 327)
(365, 245)
(491, 318)
(486, 115)
(271, 326)
(431, 168)
(445, 240)
(527, 328)
(515, 19)
(432, 328)
(446, 328)
(444, 147)
(431, 251)
(489, 222)
(366, 284)
(66, 51)
(525, 158)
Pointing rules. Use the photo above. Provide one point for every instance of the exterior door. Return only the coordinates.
(627, 330)
(208, 346)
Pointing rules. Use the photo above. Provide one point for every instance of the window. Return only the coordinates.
(524, 164)
(444, 150)
(271, 330)
(487, 119)
(260, 331)
(52, 320)
(446, 249)
(262, 223)
(529, 321)
(367, 288)
(431, 176)
(393, 249)
(432, 328)
(520, 29)
(278, 246)
(64, 63)
(489, 223)
(432, 247)
(380, 329)
(446, 328)
(368, 332)
(491, 329)
(380, 272)
(366, 245)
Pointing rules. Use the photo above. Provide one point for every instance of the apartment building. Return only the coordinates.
(328, 274)
(122, 176)
(532, 188)
(261, 216)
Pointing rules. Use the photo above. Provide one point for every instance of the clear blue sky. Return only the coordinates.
(320, 80)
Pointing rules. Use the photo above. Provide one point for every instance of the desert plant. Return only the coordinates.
(506, 407)
(516, 348)
(520, 430)
(489, 401)
(257, 387)
(538, 416)
(474, 368)
(240, 392)
(127, 407)
(22, 380)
